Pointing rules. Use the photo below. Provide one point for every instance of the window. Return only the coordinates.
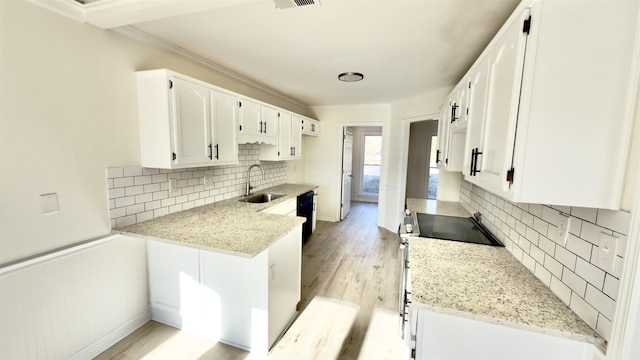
(371, 165)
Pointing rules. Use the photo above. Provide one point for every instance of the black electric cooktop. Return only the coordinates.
(455, 228)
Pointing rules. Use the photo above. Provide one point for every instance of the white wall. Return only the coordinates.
(68, 111)
(325, 152)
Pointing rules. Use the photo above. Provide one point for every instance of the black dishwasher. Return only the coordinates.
(305, 209)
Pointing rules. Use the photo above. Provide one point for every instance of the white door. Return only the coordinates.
(250, 117)
(224, 148)
(191, 122)
(347, 156)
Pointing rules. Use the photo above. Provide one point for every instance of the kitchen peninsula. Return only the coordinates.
(229, 270)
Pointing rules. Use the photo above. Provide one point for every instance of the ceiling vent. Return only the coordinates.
(287, 4)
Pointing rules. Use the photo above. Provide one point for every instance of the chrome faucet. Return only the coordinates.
(249, 187)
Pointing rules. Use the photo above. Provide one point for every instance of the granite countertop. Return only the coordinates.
(229, 226)
(487, 283)
(437, 207)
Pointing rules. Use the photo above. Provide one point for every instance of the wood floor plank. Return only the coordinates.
(352, 260)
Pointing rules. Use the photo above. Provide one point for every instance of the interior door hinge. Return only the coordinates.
(510, 175)
(174, 156)
(170, 84)
(526, 27)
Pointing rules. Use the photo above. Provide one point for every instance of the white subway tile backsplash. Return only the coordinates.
(529, 232)
(137, 194)
(587, 312)
(553, 265)
(618, 221)
(605, 305)
(587, 214)
(611, 286)
(592, 274)
(579, 247)
(565, 257)
(561, 290)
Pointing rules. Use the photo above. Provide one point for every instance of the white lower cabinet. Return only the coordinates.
(442, 336)
(243, 302)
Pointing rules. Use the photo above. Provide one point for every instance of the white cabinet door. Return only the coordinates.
(310, 127)
(224, 146)
(174, 284)
(475, 126)
(296, 137)
(270, 125)
(191, 122)
(285, 149)
(443, 131)
(506, 61)
(251, 125)
(285, 258)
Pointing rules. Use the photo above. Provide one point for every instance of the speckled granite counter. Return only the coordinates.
(229, 226)
(487, 283)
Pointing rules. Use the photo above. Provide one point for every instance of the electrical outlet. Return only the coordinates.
(209, 181)
(562, 231)
(173, 185)
(607, 252)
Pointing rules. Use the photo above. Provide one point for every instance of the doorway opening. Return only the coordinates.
(434, 171)
(361, 165)
(422, 169)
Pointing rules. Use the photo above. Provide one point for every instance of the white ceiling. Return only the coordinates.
(403, 47)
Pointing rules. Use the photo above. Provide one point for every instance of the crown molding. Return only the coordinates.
(69, 8)
(137, 34)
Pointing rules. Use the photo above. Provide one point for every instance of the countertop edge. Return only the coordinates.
(516, 325)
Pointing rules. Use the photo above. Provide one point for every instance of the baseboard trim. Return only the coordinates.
(112, 338)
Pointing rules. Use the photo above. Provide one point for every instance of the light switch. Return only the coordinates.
(173, 185)
(49, 203)
(607, 252)
(209, 181)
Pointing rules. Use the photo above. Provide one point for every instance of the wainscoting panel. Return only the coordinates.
(73, 303)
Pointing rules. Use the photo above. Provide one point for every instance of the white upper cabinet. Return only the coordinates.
(184, 122)
(492, 158)
(551, 104)
(258, 123)
(452, 130)
(190, 122)
(225, 135)
(310, 127)
(289, 139)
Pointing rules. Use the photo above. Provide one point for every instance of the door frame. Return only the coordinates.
(404, 156)
(340, 131)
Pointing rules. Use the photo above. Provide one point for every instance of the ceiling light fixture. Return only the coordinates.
(350, 76)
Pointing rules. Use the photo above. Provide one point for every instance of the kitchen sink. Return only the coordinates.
(261, 198)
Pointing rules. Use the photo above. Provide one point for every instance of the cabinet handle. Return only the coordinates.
(211, 152)
(454, 110)
(217, 152)
(474, 161)
(437, 156)
(265, 126)
(260, 127)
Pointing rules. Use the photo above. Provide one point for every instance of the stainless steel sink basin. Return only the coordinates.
(261, 198)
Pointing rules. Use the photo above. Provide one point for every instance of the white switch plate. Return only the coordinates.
(607, 252)
(49, 204)
(562, 231)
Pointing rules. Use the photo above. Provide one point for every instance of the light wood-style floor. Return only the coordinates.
(352, 260)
